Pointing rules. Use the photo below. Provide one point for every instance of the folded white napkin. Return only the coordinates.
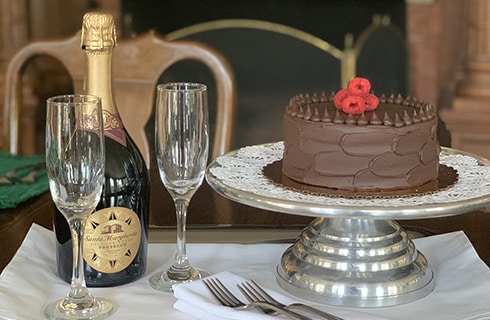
(195, 299)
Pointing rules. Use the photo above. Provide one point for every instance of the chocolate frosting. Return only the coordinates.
(394, 146)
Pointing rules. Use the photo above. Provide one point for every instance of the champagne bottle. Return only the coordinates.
(116, 234)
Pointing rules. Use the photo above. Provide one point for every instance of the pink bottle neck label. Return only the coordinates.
(113, 127)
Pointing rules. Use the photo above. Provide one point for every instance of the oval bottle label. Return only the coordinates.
(112, 239)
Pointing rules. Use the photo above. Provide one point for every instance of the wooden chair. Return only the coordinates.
(138, 64)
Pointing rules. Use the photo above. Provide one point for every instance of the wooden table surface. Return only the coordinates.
(209, 211)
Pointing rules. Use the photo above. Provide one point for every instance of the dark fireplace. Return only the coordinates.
(269, 66)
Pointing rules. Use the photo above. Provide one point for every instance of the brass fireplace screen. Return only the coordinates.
(347, 57)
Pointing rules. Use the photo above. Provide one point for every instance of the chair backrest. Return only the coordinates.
(138, 64)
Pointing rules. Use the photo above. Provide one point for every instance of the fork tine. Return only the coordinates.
(215, 293)
(250, 293)
(251, 296)
(227, 292)
(246, 293)
(224, 296)
(265, 296)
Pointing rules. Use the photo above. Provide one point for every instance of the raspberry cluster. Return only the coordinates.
(356, 98)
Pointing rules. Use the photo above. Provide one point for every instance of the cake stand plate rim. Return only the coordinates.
(439, 209)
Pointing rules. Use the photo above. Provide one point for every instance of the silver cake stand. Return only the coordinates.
(354, 253)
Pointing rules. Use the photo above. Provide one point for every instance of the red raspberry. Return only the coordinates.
(371, 102)
(353, 105)
(359, 86)
(340, 97)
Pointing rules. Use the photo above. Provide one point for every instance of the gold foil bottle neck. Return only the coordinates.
(98, 32)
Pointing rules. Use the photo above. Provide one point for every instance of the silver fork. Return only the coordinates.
(257, 293)
(227, 299)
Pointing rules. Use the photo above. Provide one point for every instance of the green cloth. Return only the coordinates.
(14, 194)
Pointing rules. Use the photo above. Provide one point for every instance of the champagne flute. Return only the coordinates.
(182, 144)
(75, 159)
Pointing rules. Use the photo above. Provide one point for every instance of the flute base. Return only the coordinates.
(65, 309)
(164, 281)
(355, 263)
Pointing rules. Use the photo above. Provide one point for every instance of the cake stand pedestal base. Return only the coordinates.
(355, 263)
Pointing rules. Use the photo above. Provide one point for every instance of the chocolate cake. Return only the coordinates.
(353, 140)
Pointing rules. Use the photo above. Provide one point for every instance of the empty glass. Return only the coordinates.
(75, 160)
(182, 143)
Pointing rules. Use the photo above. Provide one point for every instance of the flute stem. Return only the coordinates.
(78, 289)
(181, 261)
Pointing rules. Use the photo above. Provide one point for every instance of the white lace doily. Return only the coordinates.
(242, 170)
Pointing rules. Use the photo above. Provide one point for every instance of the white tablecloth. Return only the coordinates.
(462, 289)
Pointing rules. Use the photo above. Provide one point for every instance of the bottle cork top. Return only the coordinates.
(98, 32)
